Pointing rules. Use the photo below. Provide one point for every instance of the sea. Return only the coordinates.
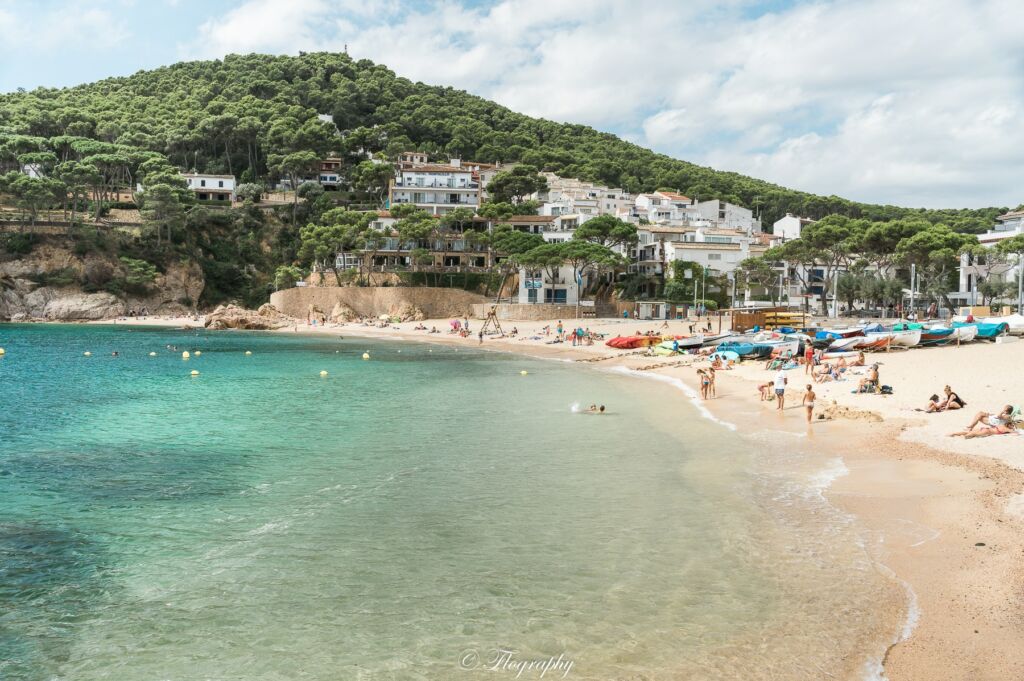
(431, 512)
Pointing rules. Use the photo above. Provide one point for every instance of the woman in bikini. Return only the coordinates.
(808, 402)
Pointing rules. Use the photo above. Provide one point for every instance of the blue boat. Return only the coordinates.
(988, 330)
(937, 335)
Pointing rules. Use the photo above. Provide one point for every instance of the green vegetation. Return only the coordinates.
(256, 115)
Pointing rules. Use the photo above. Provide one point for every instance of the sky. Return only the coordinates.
(910, 102)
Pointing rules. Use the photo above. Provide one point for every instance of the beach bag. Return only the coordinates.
(885, 390)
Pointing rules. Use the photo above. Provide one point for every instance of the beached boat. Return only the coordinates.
(965, 334)
(724, 355)
(849, 343)
(839, 333)
(847, 354)
(1014, 323)
(907, 338)
(936, 335)
(876, 341)
(712, 341)
(632, 342)
(986, 330)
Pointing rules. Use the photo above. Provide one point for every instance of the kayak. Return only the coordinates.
(724, 355)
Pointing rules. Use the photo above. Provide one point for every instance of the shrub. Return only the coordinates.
(18, 244)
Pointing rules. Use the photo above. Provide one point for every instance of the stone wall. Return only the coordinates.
(533, 311)
(433, 303)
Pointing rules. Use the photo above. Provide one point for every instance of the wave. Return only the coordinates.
(678, 383)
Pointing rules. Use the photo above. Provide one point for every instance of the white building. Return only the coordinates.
(436, 188)
(211, 187)
(720, 251)
(566, 195)
(972, 272)
(789, 227)
(729, 215)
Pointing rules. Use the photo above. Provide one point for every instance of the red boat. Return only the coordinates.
(632, 342)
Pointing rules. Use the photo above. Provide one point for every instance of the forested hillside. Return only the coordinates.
(246, 115)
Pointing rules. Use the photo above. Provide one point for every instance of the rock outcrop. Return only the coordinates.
(342, 313)
(47, 284)
(267, 318)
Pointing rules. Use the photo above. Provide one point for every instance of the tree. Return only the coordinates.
(1014, 246)
(286, 276)
(372, 179)
(250, 191)
(162, 209)
(294, 167)
(935, 251)
(342, 231)
(608, 230)
(512, 186)
(758, 272)
(32, 194)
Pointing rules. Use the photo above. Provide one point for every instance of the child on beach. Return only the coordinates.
(766, 391)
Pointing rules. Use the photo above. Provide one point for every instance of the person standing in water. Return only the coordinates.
(808, 402)
(780, 390)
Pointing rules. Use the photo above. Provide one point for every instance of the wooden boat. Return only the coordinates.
(986, 330)
(936, 335)
(876, 341)
(839, 333)
(907, 338)
(714, 340)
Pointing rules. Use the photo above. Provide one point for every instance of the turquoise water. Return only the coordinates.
(400, 518)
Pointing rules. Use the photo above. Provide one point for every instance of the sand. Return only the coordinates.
(947, 513)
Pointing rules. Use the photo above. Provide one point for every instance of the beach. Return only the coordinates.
(945, 514)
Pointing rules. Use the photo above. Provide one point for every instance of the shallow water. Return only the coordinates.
(402, 517)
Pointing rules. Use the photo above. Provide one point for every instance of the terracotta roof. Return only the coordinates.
(674, 196)
(384, 214)
(1011, 215)
(665, 229)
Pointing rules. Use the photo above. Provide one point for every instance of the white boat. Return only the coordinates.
(965, 334)
(1014, 321)
(907, 339)
(846, 344)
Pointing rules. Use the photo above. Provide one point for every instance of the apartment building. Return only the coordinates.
(436, 188)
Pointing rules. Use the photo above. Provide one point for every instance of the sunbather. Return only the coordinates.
(993, 420)
(985, 431)
(869, 384)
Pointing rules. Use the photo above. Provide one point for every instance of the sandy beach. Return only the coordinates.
(945, 513)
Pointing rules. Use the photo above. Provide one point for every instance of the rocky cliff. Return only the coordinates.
(53, 283)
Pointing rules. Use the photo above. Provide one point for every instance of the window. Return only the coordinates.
(220, 183)
(202, 183)
(531, 295)
(714, 256)
(556, 296)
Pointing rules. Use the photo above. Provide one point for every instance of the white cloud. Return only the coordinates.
(911, 103)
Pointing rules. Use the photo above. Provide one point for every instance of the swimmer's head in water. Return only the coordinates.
(602, 409)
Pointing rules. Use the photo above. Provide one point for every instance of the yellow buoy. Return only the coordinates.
(366, 355)
(2, 351)
(195, 373)
(87, 353)
(248, 352)
(152, 354)
(198, 352)
(185, 355)
(523, 372)
(323, 373)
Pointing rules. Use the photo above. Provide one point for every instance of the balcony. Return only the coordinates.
(439, 184)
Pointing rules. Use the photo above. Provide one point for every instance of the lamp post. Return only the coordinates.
(913, 279)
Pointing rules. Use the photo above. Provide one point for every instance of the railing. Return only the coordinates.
(437, 185)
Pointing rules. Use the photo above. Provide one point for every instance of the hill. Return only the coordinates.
(235, 115)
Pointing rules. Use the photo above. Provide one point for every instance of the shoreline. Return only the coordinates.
(944, 516)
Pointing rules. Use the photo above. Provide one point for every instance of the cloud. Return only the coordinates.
(912, 103)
